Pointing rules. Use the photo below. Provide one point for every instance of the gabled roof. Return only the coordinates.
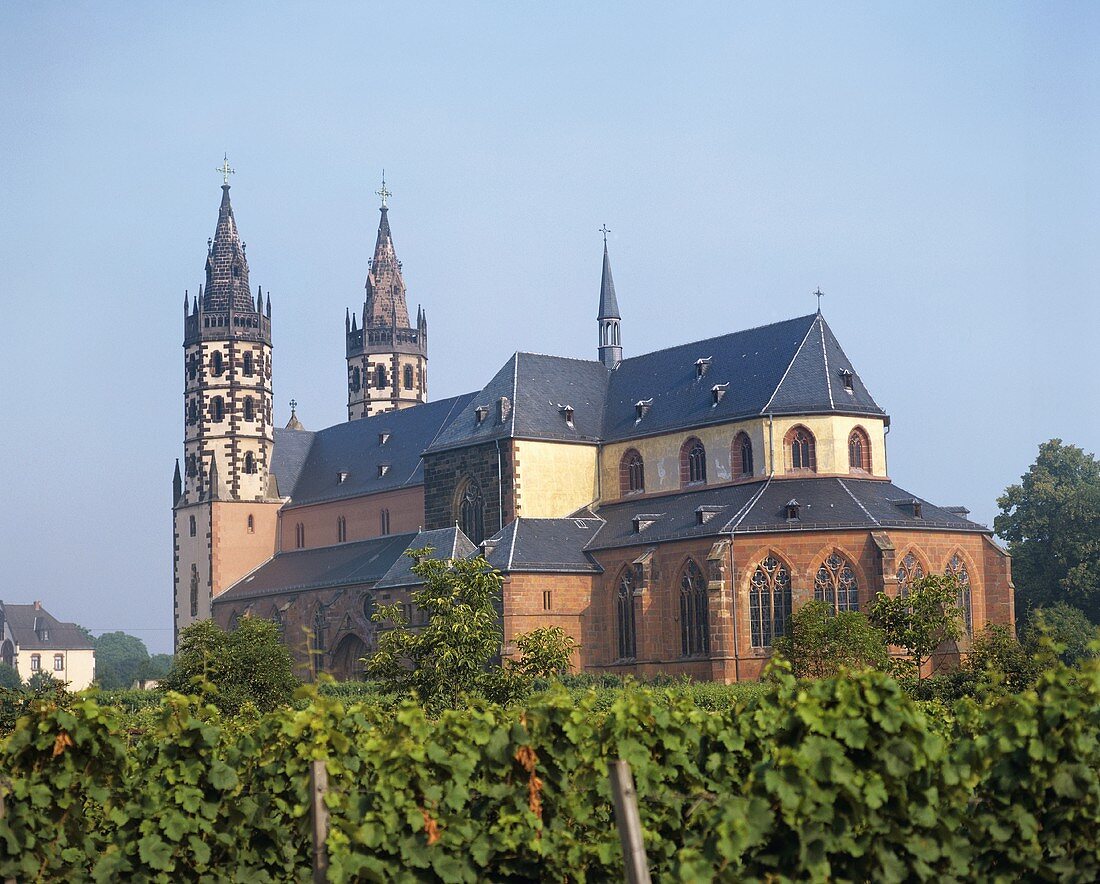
(553, 545)
(445, 543)
(35, 629)
(354, 448)
(537, 389)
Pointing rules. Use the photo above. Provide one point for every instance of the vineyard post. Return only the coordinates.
(318, 786)
(629, 822)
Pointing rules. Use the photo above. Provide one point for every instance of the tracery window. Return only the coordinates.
(249, 462)
(769, 602)
(249, 408)
(909, 570)
(693, 462)
(408, 377)
(859, 450)
(217, 409)
(631, 473)
(835, 583)
(624, 616)
(801, 451)
(742, 455)
(694, 612)
(472, 512)
(956, 568)
(194, 590)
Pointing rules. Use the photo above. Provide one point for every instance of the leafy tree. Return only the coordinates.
(545, 653)
(1063, 629)
(158, 667)
(997, 659)
(922, 619)
(119, 660)
(43, 684)
(9, 678)
(821, 641)
(249, 665)
(1051, 521)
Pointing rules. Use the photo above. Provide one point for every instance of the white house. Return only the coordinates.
(33, 640)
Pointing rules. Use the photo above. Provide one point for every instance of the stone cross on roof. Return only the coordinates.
(383, 193)
(226, 171)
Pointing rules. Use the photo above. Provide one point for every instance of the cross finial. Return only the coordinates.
(605, 230)
(819, 294)
(293, 405)
(225, 170)
(383, 193)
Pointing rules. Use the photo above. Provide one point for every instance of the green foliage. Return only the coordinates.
(248, 666)
(158, 667)
(545, 653)
(820, 642)
(1051, 520)
(1063, 630)
(997, 659)
(922, 619)
(836, 779)
(9, 678)
(120, 660)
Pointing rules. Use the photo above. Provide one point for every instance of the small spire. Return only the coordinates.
(186, 303)
(294, 423)
(610, 344)
(177, 484)
(609, 304)
(347, 319)
(260, 299)
(269, 303)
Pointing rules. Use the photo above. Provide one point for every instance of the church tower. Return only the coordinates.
(611, 344)
(387, 355)
(223, 498)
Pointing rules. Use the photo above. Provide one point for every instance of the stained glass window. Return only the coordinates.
(769, 602)
(694, 613)
(835, 583)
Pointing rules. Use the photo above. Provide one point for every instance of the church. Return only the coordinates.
(668, 510)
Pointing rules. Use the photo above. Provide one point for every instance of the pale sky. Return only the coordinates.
(932, 166)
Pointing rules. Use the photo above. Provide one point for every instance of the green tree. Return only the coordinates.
(119, 660)
(9, 678)
(1061, 629)
(544, 653)
(248, 665)
(1051, 521)
(821, 641)
(997, 659)
(922, 619)
(158, 666)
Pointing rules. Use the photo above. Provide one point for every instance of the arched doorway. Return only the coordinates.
(347, 658)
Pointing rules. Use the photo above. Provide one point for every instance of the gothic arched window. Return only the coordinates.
(408, 377)
(217, 363)
(835, 583)
(247, 367)
(192, 412)
(859, 450)
(380, 377)
(249, 462)
(356, 380)
(769, 602)
(471, 512)
(624, 616)
(741, 455)
(956, 568)
(800, 448)
(317, 639)
(194, 590)
(694, 612)
(193, 526)
(249, 408)
(251, 524)
(693, 462)
(384, 521)
(909, 570)
(631, 473)
(299, 535)
(192, 466)
(341, 529)
(217, 409)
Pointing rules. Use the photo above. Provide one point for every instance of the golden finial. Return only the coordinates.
(383, 193)
(225, 170)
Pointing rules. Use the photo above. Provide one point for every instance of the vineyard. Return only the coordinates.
(844, 779)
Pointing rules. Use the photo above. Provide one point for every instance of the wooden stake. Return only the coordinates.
(629, 822)
(318, 786)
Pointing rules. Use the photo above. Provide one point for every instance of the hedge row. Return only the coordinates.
(837, 780)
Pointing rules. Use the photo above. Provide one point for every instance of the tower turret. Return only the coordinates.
(611, 345)
(387, 357)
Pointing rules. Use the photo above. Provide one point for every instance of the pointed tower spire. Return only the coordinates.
(177, 484)
(385, 285)
(226, 265)
(294, 423)
(610, 349)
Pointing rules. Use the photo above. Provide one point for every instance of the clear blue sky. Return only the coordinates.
(933, 167)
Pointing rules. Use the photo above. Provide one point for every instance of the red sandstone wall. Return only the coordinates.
(406, 507)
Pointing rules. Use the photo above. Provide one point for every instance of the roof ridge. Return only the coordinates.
(747, 507)
(558, 356)
(859, 502)
(787, 371)
(512, 548)
(825, 356)
(740, 331)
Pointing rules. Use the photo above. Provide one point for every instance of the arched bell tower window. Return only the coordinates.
(741, 455)
(800, 449)
(247, 367)
(380, 377)
(192, 466)
(194, 590)
(769, 602)
(249, 462)
(835, 584)
(956, 568)
(624, 616)
(694, 612)
(408, 377)
(192, 412)
(631, 473)
(217, 363)
(356, 380)
(217, 409)
(859, 451)
(249, 408)
(193, 525)
(471, 511)
(909, 570)
(693, 462)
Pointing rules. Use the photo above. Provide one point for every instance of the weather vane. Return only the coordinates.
(225, 170)
(605, 230)
(385, 194)
(820, 294)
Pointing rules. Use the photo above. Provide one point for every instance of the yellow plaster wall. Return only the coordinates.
(78, 666)
(553, 479)
(831, 441)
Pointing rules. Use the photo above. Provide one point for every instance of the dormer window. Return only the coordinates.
(702, 366)
(644, 520)
(718, 392)
(642, 407)
(341, 477)
(847, 377)
(911, 507)
(383, 468)
(704, 514)
(792, 508)
(383, 438)
(567, 413)
(481, 412)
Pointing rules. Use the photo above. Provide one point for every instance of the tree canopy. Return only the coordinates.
(821, 641)
(922, 619)
(1051, 520)
(120, 660)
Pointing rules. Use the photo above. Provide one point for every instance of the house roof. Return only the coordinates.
(553, 545)
(445, 543)
(34, 628)
(825, 503)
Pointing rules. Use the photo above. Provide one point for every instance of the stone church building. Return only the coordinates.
(669, 510)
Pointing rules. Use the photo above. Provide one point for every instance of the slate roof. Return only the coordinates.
(824, 503)
(346, 564)
(553, 545)
(25, 620)
(311, 466)
(446, 543)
